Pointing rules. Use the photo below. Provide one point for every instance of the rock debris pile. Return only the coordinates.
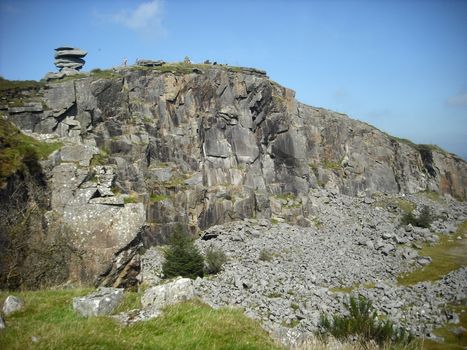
(287, 276)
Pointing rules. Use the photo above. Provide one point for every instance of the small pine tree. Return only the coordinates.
(182, 258)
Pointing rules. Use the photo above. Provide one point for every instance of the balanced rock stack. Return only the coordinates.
(68, 60)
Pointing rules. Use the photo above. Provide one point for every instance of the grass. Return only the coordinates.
(157, 197)
(317, 222)
(327, 164)
(285, 196)
(434, 196)
(6, 84)
(419, 147)
(451, 340)
(49, 317)
(178, 68)
(20, 151)
(403, 204)
(104, 73)
(101, 158)
(447, 255)
(130, 199)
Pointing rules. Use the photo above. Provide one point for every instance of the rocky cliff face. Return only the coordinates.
(146, 149)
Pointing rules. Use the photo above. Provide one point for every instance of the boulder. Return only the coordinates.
(69, 51)
(149, 63)
(133, 316)
(101, 302)
(167, 294)
(12, 304)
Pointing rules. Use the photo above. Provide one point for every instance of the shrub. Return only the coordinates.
(265, 255)
(362, 323)
(214, 260)
(423, 220)
(182, 258)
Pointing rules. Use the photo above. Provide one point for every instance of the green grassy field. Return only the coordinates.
(49, 318)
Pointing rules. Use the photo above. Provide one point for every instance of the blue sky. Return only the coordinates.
(398, 65)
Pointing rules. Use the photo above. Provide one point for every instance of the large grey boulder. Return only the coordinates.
(12, 304)
(69, 51)
(158, 297)
(101, 302)
(149, 63)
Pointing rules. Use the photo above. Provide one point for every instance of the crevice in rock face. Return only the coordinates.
(125, 266)
(427, 159)
(396, 168)
(70, 112)
(223, 90)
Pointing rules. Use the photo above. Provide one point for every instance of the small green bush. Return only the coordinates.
(182, 258)
(265, 255)
(423, 220)
(214, 260)
(130, 199)
(362, 323)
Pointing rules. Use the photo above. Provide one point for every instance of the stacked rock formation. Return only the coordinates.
(69, 59)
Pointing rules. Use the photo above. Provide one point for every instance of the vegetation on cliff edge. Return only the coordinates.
(19, 151)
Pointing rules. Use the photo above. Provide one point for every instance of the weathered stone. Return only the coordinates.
(12, 304)
(69, 60)
(69, 51)
(149, 63)
(158, 297)
(134, 316)
(234, 142)
(101, 302)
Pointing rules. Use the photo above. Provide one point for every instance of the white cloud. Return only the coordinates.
(146, 18)
(459, 100)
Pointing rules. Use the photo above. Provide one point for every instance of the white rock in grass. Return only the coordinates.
(101, 302)
(12, 304)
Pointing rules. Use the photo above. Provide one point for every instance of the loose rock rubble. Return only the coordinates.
(287, 276)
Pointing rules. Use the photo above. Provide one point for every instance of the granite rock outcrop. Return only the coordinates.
(69, 58)
(147, 148)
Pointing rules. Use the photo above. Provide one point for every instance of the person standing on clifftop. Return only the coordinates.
(125, 61)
